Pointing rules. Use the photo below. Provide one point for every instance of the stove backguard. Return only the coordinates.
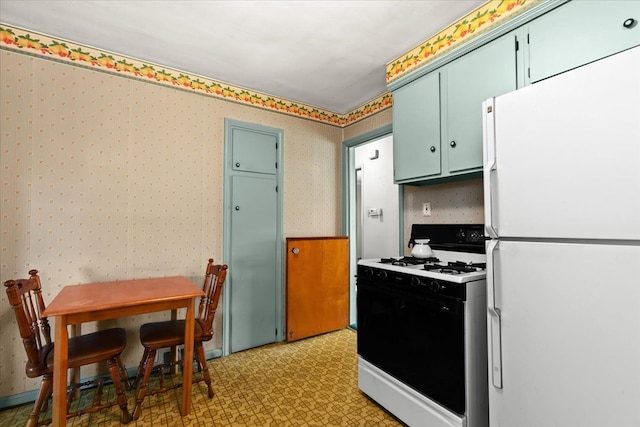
(451, 237)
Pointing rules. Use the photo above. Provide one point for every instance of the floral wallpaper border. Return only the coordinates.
(484, 17)
(30, 42)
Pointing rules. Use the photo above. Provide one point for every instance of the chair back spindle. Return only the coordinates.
(212, 288)
(25, 297)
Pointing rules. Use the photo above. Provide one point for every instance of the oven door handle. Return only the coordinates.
(495, 333)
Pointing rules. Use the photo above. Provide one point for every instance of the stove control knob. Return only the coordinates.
(415, 282)
(367, 272)
(434, 286)
(382, 275)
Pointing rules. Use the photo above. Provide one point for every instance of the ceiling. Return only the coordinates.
(329, 54)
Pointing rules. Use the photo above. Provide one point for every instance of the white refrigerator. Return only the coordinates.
(562, 209)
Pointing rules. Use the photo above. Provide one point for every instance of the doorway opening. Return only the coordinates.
(373, 204)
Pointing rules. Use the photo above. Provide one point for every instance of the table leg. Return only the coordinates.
(174, 350)
(187, 362)
(76, 331)
(60, 356)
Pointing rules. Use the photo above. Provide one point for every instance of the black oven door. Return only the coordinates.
(415, 338)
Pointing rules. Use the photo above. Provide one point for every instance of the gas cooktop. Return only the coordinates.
(458, 254)
(434, 264)
(459, 267)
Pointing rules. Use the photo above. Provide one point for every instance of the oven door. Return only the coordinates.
(414, 338)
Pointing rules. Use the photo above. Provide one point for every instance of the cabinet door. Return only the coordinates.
(254, 151)
(487, 71)
(416, 128)
(317, 286)
(580, 32)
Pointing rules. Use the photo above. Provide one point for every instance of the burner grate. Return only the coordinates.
(456, 267)
(408, 260)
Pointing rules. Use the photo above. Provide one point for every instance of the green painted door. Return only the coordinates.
(580, 32)
(253, 151)
(254, 301)
(485, 72)
(416, 129)
(253, 261)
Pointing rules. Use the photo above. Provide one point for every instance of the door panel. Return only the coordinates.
(379, 231)
(580, 32)
(317, 286)
(253, 267)
(416, 128)
(570, 157)
(488, 71)
(570, 322)
(253, 151)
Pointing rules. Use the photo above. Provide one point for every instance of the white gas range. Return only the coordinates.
(422, 331)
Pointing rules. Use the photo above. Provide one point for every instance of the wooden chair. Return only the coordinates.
(25, 297)
(157, 335)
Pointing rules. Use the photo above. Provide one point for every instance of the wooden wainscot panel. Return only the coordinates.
(317, 286)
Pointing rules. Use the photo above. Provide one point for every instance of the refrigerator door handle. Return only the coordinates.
(490, 165)
(495, 344)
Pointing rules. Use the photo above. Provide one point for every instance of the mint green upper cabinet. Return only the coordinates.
(253, 151)
(437, 118)
(485, 72)
(416, 128)
(579, 32)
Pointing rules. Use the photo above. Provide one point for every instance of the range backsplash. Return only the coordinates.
(452, 203)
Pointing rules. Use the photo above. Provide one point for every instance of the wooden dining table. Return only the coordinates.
(76, 304)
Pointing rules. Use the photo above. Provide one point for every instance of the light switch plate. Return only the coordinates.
(374, 212)
(426, 209)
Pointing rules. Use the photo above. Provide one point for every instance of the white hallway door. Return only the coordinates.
(378, 202)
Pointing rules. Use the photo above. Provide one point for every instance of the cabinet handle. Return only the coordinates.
(452, 144)
(629, 23)
(237, 208)
(295, 251)
(237, 165)
(432, 149)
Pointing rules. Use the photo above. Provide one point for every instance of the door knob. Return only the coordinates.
(295, 251)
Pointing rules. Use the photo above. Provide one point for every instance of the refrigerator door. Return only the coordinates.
(569, 329)
(562, 157)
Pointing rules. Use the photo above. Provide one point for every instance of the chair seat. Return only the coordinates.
(165, 334)
(170, 333)
(87, 349)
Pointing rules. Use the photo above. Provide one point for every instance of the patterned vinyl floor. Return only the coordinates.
(312, 382)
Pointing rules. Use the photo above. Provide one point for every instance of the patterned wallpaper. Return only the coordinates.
(106, 178)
